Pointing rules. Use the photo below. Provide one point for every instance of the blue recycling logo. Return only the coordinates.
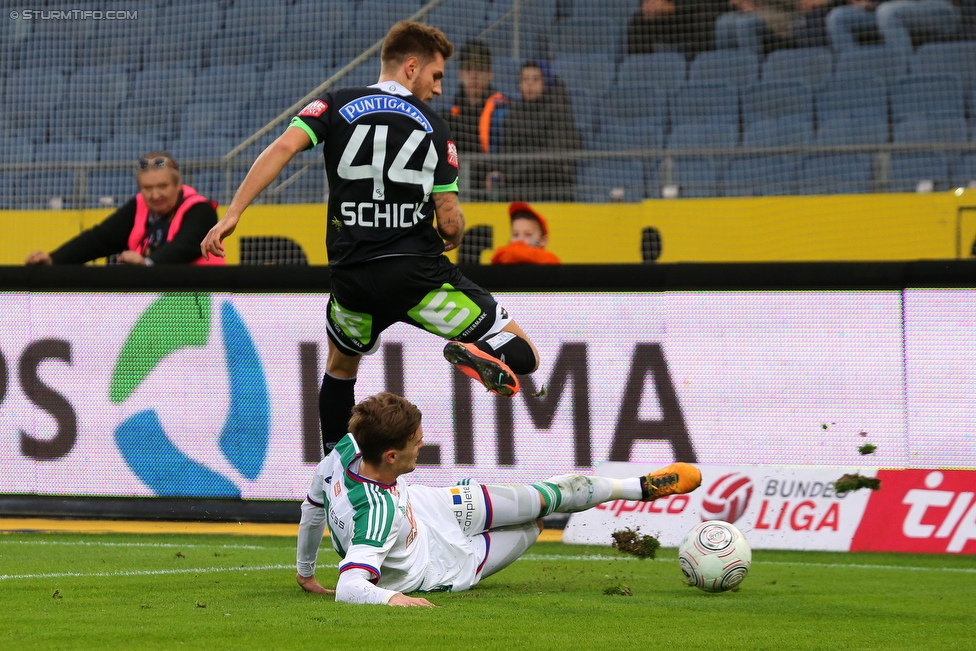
(172, 322)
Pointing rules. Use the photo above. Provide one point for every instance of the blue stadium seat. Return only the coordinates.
(235, 45)
(619, 10)
(460, 21)
(813, 65)
(505, 77)
(56, 43)
(31, 96)
(584, 110)
(182, 35)
(94, 93)
(872, 60)
(120, 42)
(170, 84)
(789, 131)
(129, 148)
(48, 184)
(257, 113)
(835, 174)
(863, 130)
(287, 82)
(748, 176)
(705, 102)
(853, 97)
(207, 147)
(13, 35)
(775, 99)
(199, 118)
(593, 72)
(303, 181)
(365, 74)
(964, 171)
(637, 101)
(14, 150)
(602, 180)
(667, 70)
(737, 67)
(907, 170)
(698, 176)
(141, 116)
(116, 186)
(636, 134)
(956, 58)
(587, 36)
(371, 21)
(220, 84)
(931, 130)
(929, 96)
(310, 31)
(535, 20)
(209, 180)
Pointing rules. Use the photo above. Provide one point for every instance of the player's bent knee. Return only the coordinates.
(542, 525)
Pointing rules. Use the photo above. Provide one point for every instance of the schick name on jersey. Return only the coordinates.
(381, 215)
(383, 104)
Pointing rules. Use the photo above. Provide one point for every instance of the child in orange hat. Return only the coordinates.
(530, 235)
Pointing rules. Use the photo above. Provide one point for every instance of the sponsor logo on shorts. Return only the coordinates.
(452, 155)
(445, 311)
(314, 109)
(370, 104)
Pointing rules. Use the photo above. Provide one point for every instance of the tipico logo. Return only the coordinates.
(172, 322)
(728, 498)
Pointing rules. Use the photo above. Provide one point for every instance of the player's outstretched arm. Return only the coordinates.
(265, 169)
(449, 219)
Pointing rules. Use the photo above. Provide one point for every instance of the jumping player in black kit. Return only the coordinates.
(393, 212)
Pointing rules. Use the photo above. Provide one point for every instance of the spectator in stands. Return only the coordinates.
(540, 122)
(810, 25)
(758, 27)
(898, 21)
(476, 117)
(530, 236)
(164, 223)
(653, 28)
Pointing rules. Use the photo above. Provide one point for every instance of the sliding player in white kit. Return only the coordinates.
(394, 538)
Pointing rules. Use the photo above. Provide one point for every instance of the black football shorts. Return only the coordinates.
(428, 293)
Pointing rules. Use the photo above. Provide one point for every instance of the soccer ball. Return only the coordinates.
(714, 556)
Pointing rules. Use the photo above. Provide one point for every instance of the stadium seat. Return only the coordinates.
(593, 72)
(137, 116)
(505, 77)
(789, 131)
(311, 30)
(365, 74)
(872, 60)
(13, 35)
(587, 36)
(584, 110)
(635, 134)
(929, 96)
(120, 42)
(56, 43)
(182, 34)
(168, 83)
(667, 70)
(925, 129)
(618, 10)
(241, 45)
(608, 180)
(835, 174)
(198, 118)
(863, 130)
(770, 100)
(812, 65)
(956, 58)
(220, 84)
(129, 148)
(94, 93)
(46, 185)
(907, 170)
(698, 176)
(14, 150)
(637, 101)
(737, 67)
(371, 21)
(853, 97)
(30, 98)
(461, 21)
(964, 172)
(287, 81)
(534, 19)
(705, 102)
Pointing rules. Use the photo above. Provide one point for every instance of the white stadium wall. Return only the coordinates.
(215, 395)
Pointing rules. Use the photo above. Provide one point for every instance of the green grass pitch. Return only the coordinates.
(67, 591)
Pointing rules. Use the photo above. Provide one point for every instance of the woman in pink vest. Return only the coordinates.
(163, 224)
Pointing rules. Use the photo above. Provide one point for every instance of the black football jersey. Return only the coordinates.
(385, 153)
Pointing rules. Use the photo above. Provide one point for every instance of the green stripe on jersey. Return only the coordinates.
(374, 511)
(346, 447)
(299, 123)
(450, 187)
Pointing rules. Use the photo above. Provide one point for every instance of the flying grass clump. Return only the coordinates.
(630, 541)
(618, 591)
(854, 482)
(867, 448)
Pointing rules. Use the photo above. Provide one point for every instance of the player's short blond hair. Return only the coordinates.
(383, 422)
(407, 39)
